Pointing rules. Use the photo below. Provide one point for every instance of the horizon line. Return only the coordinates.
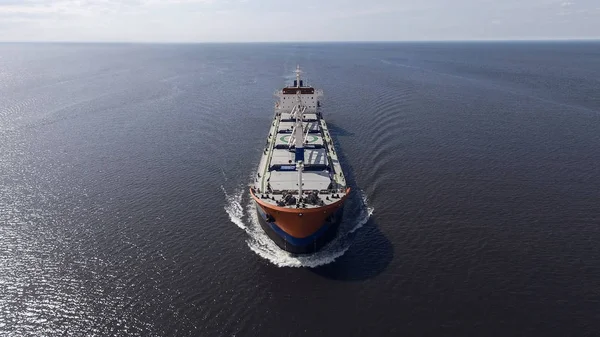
(314, 42)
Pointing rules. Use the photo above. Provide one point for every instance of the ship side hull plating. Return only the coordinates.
(300, 231)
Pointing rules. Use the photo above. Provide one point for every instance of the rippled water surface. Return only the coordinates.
(475, 212)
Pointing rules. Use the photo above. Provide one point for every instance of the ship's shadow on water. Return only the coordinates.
(369, 255)
(337, 131)
(370, 251)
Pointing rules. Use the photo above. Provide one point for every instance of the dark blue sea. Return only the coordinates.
(475, 209)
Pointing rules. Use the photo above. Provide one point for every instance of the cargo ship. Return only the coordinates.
(299, 187)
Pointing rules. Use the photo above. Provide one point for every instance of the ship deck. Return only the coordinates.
(277, 178)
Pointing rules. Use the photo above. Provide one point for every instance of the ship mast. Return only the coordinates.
(298, 72)
(299, 134)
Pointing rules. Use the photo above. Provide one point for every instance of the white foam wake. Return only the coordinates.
(263, 246)
(365, 213)
(233, 207)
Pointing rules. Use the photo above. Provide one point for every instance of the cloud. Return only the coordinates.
(62, 7)
(269, 20)
(369, 11)
(86, 7)
(170, 2)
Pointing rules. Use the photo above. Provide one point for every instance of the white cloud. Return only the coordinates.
(269, 20)
(63, 7)
(88, 7)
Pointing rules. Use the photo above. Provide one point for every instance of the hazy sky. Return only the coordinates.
(303, 20)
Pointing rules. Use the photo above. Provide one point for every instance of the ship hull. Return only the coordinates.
(299, 186)
(311, 244)
(299, 231)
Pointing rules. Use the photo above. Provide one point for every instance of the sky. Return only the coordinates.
(302, 20)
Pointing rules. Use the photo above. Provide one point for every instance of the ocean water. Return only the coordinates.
(475, 212)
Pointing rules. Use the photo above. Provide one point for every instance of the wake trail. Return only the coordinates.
(365, 214)
(233, 207)
(493, 86)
